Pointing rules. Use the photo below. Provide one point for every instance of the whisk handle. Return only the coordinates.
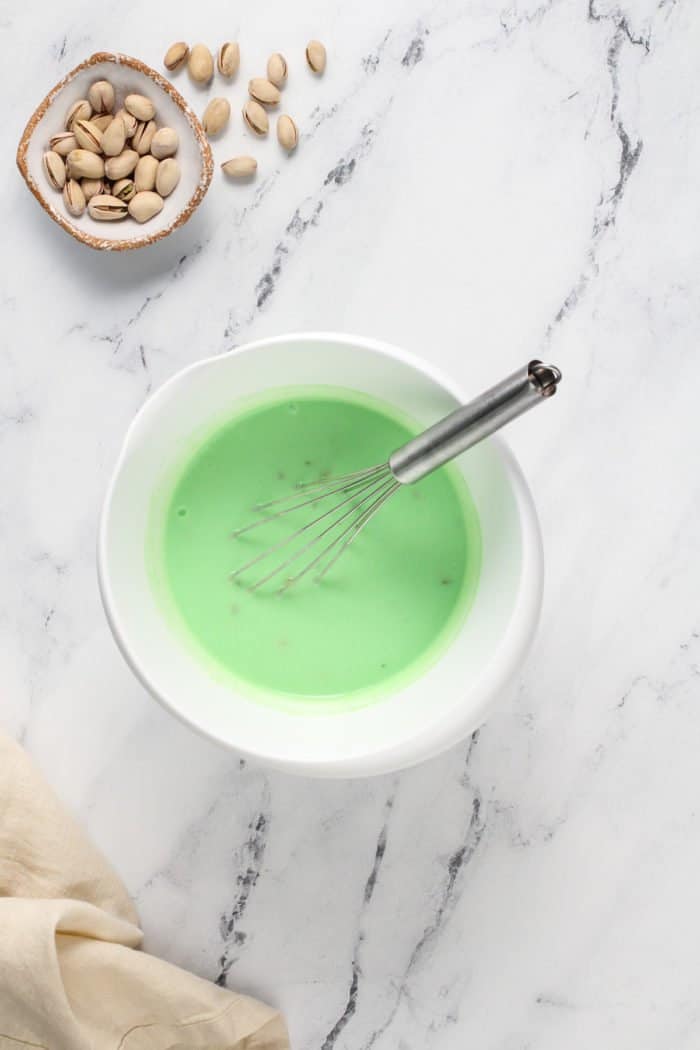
(471, 423)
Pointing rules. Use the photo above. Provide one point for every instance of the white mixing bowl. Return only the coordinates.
(419, 720)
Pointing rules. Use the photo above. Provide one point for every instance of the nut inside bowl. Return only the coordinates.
(419, 718)
(128, 76)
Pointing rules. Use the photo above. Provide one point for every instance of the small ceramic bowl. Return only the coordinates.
(127, 75)
(419, 719)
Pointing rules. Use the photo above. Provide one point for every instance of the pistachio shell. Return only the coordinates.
(287, 132)
(102, 120)
(316, 56)
(121, 166)
(83, 164)
(74, 198)
(228, 59)
(80, 110)
(145, 205)
(167, 176)
(201, 64)
(164, 143)
(240, 167)
(54, 169)
(277, 69)
(255, 117)
(140, 107)
(91, 187)
(130, 121)
(143, 137)
(263, 91)
(145, 173)
(114, 138)
(107, 208)
(63, 143)
(101, 96)
(176, 55)
(216, 116)
(124, 189)
(88, 135)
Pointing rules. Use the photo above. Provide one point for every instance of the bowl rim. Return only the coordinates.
(207, 168)
(515, 642)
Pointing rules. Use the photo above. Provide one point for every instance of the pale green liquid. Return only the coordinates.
(388, 606)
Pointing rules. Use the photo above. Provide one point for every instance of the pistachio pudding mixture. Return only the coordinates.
(388, 606)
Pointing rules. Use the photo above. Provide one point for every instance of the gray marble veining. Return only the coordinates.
(478, 183)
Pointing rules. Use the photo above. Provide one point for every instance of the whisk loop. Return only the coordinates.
(356, 497)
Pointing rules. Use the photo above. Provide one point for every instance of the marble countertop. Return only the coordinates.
(479, 183)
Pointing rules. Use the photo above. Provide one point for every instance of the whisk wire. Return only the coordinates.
(315, 540)
(376, 481)
(354, 529)
(346, 480)
(359, 526)
(359, 479)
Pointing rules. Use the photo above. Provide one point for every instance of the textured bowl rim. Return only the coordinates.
(207, 168)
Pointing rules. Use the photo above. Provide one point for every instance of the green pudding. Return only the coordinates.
(386, 609)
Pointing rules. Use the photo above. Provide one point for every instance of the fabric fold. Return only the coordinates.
(72, 975)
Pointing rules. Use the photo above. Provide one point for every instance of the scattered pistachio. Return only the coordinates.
(255, 117)
(80, 110)
(164, 143)
(167, 176)
(114, 138)
(277, 69)
(140, 107)
(101, 96)
(228, 59)
(176, 55)
(107, 208)
(145, 173)
(121, 166)
(143, 206)
(63, 143)
(83, 164)
(54, 169)
(74, 198)
(88, 135)
(240, 167)
(201, 64)
(124, 189)
(287, 132)
(216, 116)
(143, 137)
(263, 91)
(316, 56)
(91, 187)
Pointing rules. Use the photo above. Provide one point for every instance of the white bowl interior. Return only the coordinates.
(437, 709)
(125, 80)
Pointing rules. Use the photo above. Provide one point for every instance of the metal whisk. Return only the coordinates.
(353, 499)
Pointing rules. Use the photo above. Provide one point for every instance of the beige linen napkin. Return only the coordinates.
(71, 974)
